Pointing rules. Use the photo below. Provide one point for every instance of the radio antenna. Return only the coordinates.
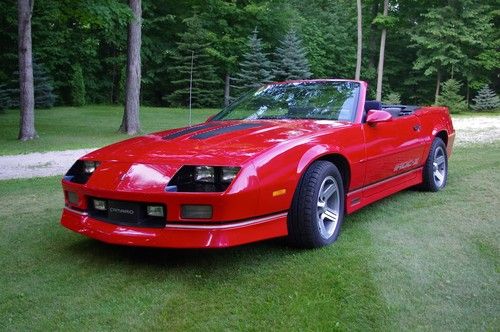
(191, 89)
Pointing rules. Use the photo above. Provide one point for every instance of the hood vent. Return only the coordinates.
(225, 130)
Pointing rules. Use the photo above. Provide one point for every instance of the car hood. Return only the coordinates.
(213, 143)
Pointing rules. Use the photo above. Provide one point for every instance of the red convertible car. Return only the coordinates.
(289, 160)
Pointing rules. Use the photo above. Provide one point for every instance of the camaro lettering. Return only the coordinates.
(121, 210)
(406, 164)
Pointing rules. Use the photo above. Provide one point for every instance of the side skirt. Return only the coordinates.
(359, 198)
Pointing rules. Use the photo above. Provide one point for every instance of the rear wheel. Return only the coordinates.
(317, 209)
(436, 167)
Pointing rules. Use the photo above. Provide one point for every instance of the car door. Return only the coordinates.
(393, 147)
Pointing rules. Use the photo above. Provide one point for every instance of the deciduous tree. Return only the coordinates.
(26, 86)
(130, 122)
(380, 70)
(359, 52)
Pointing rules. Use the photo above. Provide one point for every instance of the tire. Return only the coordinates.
(435, 173)
(314, 221)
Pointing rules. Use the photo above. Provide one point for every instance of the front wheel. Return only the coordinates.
(436, 167)
(317, 209)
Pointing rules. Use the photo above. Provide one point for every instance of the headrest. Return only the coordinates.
(372, 105)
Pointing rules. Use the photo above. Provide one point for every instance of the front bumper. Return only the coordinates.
(178, 235)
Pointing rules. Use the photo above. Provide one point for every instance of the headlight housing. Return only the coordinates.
(203, 179)
(81, 171)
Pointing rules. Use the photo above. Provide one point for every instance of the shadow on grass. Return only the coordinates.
(103, 253)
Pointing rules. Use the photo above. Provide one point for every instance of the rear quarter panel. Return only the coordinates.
(434, 120)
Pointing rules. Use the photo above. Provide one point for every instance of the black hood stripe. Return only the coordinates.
(188, 130)
(225, 130)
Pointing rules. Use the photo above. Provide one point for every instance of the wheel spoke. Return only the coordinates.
(439, 176)
(329, 191)
(328, 207)
(439, 160)
(321, 225)
(330, 214)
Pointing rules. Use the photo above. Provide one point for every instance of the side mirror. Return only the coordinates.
(210, 118)
(375, 116)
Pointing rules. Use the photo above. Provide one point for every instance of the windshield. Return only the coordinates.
(327, 100)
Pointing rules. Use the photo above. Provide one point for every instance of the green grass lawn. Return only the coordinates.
(63, 128)
(414, 261)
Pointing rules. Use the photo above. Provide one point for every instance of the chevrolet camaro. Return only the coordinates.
(288, 160)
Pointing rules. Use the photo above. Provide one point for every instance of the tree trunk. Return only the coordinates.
(467, 93)
(360, 42)
(130, 122)
(438, 84)
(227, 90)
(381, 56)
(27, 94)
(372, 42)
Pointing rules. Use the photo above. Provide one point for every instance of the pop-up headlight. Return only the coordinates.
(228, 174)
(204, 174)
(203, 178)
(81, 171)
(90, 166)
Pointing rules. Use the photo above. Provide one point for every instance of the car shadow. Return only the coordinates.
(102, 253)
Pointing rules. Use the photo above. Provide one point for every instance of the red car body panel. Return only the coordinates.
(381, 158)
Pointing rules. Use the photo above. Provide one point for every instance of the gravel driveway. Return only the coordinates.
(38, 164)
(469, 130)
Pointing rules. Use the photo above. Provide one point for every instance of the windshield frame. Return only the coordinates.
(219, 116)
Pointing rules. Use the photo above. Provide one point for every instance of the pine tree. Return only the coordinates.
(255, 69)
(77, 86)
(486, 100)
(5, 98)
(450, 96)
(291, 61)
(393, 98)
(194, 48)
(44, 88)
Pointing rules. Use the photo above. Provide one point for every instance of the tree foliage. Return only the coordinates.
(460, 38)
(450, 96)
(255, 67)
(77, 86)
(45, 96)
(291, 60)
(193, 57)
(392, 98)
(486, 100)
